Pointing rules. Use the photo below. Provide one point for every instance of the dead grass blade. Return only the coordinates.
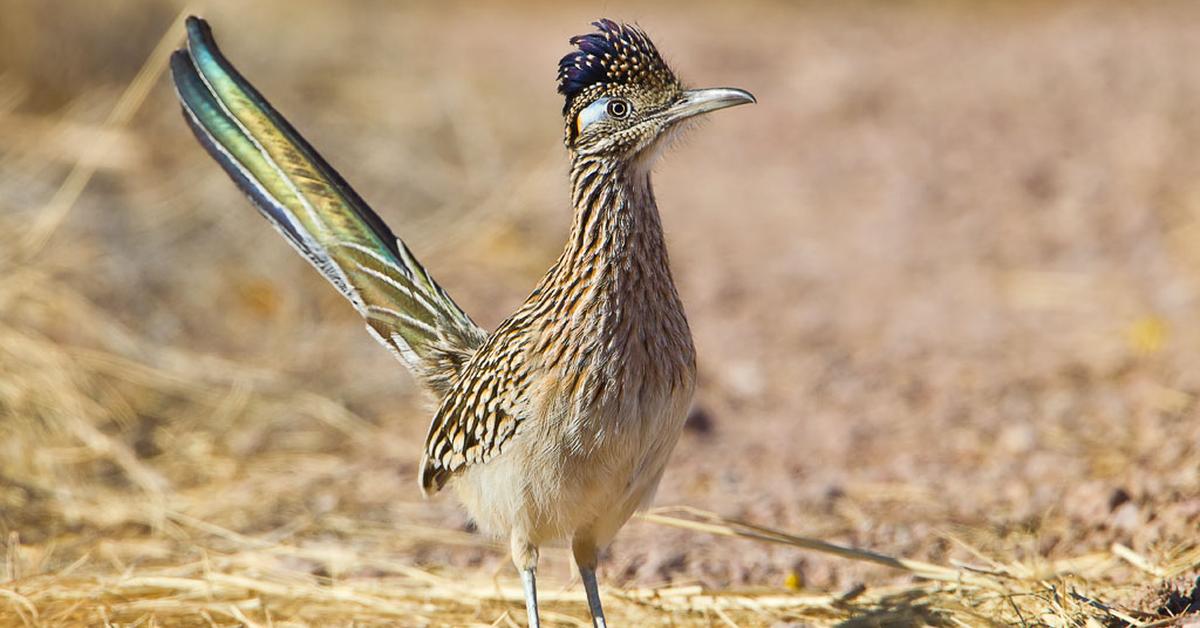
(56, 210)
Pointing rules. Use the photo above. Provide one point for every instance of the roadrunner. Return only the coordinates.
(557, 425)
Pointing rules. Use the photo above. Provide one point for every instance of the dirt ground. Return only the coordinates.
(944, 280)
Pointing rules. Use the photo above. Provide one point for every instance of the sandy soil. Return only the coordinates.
(943, 278)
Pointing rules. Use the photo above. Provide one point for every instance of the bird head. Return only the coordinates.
(622, 98)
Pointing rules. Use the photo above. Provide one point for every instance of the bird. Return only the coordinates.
(557, 425)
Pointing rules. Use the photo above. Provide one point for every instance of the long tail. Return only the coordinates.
(320, 215)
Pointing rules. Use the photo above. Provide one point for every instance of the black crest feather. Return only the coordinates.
(615, 54)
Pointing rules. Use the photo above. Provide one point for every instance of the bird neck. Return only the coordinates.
(610, 293)
(616, 218)
(615, 257)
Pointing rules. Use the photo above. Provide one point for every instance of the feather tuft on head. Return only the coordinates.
(617, 54)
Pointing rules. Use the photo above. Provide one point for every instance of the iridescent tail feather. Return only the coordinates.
(320, 215)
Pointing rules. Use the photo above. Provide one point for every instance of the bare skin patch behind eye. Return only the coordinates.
(592, 113)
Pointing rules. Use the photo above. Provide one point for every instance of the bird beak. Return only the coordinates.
(694, 102)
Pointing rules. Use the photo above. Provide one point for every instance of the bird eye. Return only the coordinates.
(618, 108)
(602, 109)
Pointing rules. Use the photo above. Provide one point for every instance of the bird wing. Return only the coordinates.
(480, 415)
(320, 215)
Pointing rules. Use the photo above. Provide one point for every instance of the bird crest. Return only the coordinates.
(617, 54)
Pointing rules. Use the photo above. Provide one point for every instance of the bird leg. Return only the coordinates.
(530, 581)
(593, 596)
(525, 557)
(586, 556)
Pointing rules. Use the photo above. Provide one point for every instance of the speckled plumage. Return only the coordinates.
(616, 54)
(599, 352)
(559, 424)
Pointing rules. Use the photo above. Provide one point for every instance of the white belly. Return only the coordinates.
(579, 471)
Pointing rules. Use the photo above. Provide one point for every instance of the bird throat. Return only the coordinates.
(610, 299)
(616, 241)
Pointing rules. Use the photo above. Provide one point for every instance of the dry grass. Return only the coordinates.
(958, 327)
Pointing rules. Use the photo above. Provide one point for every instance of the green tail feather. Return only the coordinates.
(320, 215)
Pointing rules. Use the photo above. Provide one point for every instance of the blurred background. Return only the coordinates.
(944, 281)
